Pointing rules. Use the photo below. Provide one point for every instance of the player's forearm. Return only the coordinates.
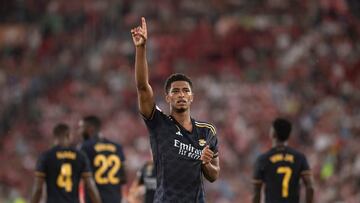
(309, 193)
(92, 190)
(36, 196)
(256, 198)
(37, 191)
(210, 171)
(257, 193)
(95, 196)
(141, 68)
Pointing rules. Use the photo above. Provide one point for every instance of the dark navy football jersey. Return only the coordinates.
(280, 169)
(147, 177)
(62, 168)
(107, 164)
(176, 154)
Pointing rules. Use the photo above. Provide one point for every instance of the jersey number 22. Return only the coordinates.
(105, 163)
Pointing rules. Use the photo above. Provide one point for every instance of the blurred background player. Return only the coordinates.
(280, 169)
(143, 188)
(184, 150)
(61, 168)
(107, 160)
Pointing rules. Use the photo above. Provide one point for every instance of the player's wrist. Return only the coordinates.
(140, 45)
(205, 163)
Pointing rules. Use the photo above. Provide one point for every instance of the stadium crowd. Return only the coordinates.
(250, 61)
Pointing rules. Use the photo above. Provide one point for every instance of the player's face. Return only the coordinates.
(180, 96)
(82, 130)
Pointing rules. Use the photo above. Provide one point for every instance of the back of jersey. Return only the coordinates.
(62, 168)
(106, 160)
(281, 169)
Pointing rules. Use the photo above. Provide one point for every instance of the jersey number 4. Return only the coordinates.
(286, 179)
(111, 164)
(64, 178)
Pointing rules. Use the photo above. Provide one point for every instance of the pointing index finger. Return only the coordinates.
(143, 23)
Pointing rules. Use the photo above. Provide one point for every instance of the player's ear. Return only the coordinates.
(191, 97)
(167, 98)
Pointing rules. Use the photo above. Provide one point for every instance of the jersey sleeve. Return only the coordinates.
(121, 154)
(40, 170)
(305, 168)
(85, 165)
(259, 170)
(122, 173)
(210, 136)
(213, 144)
(155, 119)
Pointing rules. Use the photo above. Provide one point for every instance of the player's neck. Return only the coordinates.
(279, 144)
(62, 142)
(183, 119)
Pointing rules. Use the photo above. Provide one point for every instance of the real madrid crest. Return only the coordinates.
(202, 142)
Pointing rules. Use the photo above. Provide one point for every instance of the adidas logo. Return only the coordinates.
(178, 133)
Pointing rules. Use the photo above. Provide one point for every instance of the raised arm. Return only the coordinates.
(37, 190)
(144, 90)
(92, 189)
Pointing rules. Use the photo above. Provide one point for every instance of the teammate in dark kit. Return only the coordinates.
(107, 160)
(61, 168)
(184, 150)
(146, 178)
(281, 168)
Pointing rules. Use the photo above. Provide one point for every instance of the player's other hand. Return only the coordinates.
(207, 155)
(139, 34)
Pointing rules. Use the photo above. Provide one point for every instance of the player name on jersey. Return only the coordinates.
(282, 157)
(105, 147)
(65, 155)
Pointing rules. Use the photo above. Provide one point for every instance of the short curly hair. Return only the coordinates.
(176, 77)
(61, 130)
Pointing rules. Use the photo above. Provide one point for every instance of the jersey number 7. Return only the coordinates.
(286, 179)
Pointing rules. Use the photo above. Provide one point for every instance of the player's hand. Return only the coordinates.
(139, 34)
(207, 155)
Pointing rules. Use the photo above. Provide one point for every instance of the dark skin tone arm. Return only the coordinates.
(92, 189)
(257, 192)
(309, 188)
(144, 91)
(210, 166)
(37, 190)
